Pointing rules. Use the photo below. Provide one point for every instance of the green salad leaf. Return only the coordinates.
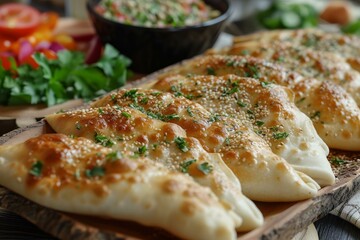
(284, 14)
(63, 79)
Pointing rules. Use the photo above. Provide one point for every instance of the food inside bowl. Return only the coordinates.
(157, 13)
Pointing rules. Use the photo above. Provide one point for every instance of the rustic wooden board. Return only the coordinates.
(282, 220)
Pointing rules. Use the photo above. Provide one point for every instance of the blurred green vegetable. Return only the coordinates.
(66, 78)
(282, 14)
(352, 28)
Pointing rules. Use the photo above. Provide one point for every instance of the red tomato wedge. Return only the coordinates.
(18, 19)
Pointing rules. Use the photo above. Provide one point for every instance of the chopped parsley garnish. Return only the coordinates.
(137, 107)
(280, 135)
(253, 72)
(113, 98)
(205, 168)
(215, 117)
(227, 141)
(230, 91)
(162, 117)
(77, 126)
(155, 93)
(337, 161)
(36, 169)
(265, 84)
(230, 63)
(191, 97)
(300, 100)
(188, 109)
(125, 114)
(315, 115)
(181, 144)
(184, 166)
(142, 150)
(101, 111)
(249, 112)
(210, 71)
(113, 156)
(176, 91)
(96, 171)
(103, 140)
(144, 100)
(259, 123)
(241, 103)
(131, 93)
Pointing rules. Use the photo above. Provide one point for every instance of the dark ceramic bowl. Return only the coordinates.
(151, 49)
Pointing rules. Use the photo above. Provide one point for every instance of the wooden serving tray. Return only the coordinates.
(282, 220)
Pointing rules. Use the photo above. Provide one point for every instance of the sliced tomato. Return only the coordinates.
(18, 19)
(48, 20)
(30, 61)
(5, 62)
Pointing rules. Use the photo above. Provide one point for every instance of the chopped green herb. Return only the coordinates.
(265, 84)
(125, 114)
(337, 161)
(230, 91)
(191, 97)
(315, 115)
(103, 140)
(131, 93)
(144, 100)
(241, 103)
(113, 156)
(184, 166)
(300, 100)
(176, 91)
(205, 168)
(230, 63)
(253, 72)
(211, 71)
(137, 107)
(245, 52)
(215, 117)
(113, 98)
(259, 123)
(249, 112)
(280, 135)
(36, 169)
(101, 111)
(274, 128)
(227, 141)
(142, 150)
(155, 93)
(189, 111)
(181, 144)
(96, 171)
(77, 126)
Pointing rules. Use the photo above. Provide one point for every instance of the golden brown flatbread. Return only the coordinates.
(267, 109)
(128, 129)
(333, 112)
(77, 176)
(264, 176)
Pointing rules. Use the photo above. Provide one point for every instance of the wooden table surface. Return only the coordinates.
(14, 227)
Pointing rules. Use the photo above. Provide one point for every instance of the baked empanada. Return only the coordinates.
(333, 112)
(267, 109)
(77, 176)
(323, 66)
(345, 45)
(264, 176)
(128, 129)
